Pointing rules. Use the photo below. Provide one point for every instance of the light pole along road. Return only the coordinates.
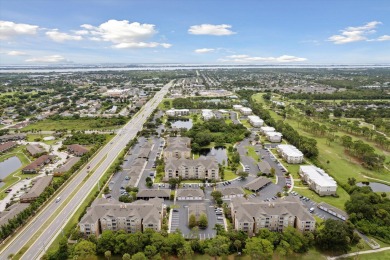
(100, 163)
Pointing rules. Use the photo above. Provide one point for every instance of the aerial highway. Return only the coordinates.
(99, 164)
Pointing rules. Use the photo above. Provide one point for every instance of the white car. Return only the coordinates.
(58, 199)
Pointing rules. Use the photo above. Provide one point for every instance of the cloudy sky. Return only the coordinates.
(195, 31)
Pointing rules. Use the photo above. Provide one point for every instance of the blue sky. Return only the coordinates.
(189, 31)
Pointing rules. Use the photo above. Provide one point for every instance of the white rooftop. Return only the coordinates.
(246, 109)
(255, 119)
(318, 176)
(267, 129)
(290, 150)
(274, 134)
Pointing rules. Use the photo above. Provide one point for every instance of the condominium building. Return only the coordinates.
(252, 215)
(237, 107)
(265, 129)
(274, 137)
(255, 121)
(245, 111)
(177, 112)
(131, 217)
(290, 153)
(318, 180)
(202, 168)
(178, 147)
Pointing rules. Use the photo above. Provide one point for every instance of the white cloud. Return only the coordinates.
(57, 36)
(384, 38)
(48, 59)
(16, 53)
(10, 29)
(124, 34)
(204, 50)
(211, 29)
(242, 58)
(354, 34)
(81, 32)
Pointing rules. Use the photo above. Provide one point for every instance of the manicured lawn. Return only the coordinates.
(71, 124)
(252, 153)
(375, 256)
(337, 202)
(33, 137)
(161, 106)
(245, 123)
(229, 175)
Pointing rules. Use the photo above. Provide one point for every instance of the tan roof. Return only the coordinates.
(264, 167)
(153, 193)
(11, 212)
(7, 146)
(248, 209)
(34, 149)
(38, 187)
(77, 148)
(197, 209)
(231, 191)
(38, 162)
(257, 183)
(103, 208)
(190, 193)
(67, 165)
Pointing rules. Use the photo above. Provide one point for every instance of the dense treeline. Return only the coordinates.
(85, 139)
(369, 212)
(97, 122)
(348, 94)
(215, 130)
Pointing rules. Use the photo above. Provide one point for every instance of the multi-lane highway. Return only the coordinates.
(77, 189)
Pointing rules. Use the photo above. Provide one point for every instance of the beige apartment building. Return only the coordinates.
(250, 215)
(131, 217)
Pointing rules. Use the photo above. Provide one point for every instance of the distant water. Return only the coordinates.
(9, 166)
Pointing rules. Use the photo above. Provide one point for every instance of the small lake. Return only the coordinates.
(376, 187)
(220, 153)
(184, 123)
(9, 166)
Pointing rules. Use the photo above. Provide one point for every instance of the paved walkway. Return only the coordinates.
(375, 179)
(359, 253)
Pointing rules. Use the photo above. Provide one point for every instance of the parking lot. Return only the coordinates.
(179, 220)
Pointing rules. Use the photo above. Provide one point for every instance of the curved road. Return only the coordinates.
(105, 157)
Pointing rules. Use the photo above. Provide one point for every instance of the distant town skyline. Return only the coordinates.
(196, 32)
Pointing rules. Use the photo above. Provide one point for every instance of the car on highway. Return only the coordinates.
(8, 190)
(89, 166)
(58, 199)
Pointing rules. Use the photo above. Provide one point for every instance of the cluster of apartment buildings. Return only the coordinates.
(246, 111)
(252, 215)
(179, 165)
(177, 112)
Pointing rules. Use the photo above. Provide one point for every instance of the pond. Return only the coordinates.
(9, 166)
(183, 123)
(376, 186)
(219, 153)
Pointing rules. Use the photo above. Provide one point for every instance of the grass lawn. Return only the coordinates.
(71, 124)
(228, 121)
(245, 123)
(252, 153)
(161, 106)
(337, 202)
(229, 175)
(32, 137)
(373, 256)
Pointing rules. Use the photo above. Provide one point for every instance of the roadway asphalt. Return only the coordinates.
(107, 155)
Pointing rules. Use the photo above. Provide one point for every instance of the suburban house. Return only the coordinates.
(290, 153)
(274, 137)
(37, 165)
(265, 129)
(231, 192)
(77, 149)
(318, 180)
(264, 167)
(38, 187)
(252, 215)
(147, 194)
(7, 146)
(14, 137)
(255, 121)
(177, 112)
(178, 147)
(190, 194)
(207, 114)
(201, 168)
(114, 215)
(35, 149)
(257, 184)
